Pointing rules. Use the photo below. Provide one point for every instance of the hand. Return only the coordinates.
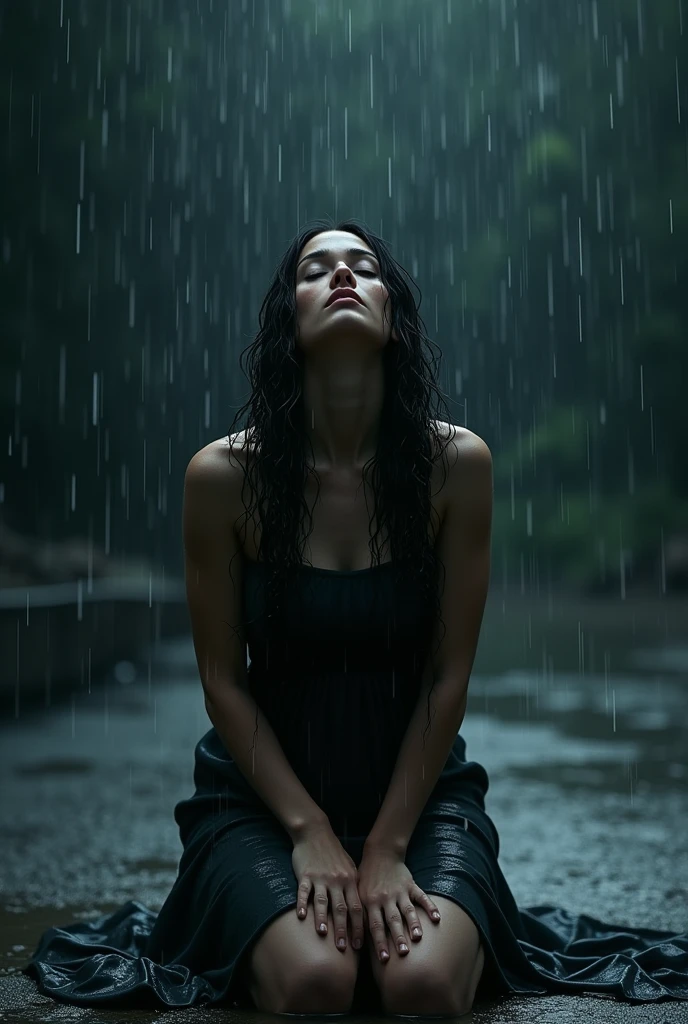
(385, 885)
(322, 864)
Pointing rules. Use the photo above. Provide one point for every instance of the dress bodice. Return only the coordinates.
(340, 621)
(339, 689)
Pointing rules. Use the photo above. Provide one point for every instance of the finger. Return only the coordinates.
(420, 897)
(396, 927)
(355, 906)
(320, 908)
(378, 933)
(412, 921)
(339, 912)
(302, 895)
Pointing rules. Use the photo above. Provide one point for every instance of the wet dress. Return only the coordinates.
(339, 696)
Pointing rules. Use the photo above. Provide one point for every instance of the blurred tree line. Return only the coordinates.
(527, 163)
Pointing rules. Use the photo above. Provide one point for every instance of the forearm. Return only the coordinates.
(252, 743)
(417, 770)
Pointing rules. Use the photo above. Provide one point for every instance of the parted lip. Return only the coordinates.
(344, 293)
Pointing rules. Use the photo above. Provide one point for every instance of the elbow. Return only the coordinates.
(210, 709)
(453, 691)
(214, 697)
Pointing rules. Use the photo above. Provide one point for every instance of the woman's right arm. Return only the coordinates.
(212, 488)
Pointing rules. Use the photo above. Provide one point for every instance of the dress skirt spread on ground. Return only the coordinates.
(357, 643)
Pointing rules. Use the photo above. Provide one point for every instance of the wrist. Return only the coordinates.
(392, 846)
(303, 826)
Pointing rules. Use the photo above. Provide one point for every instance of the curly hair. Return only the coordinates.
(276, 469)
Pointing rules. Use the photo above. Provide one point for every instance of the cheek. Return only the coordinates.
(304, 301)
(383, 300)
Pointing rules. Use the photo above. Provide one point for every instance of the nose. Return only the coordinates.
(342, 276)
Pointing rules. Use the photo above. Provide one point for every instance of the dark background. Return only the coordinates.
(527, 160)
(528, 164)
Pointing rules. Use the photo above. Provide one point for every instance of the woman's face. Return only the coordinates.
(329, 262)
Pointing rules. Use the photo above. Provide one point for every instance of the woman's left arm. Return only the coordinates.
(463, 547)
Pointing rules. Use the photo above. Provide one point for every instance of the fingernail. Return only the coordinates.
(357, 943)
(322, 928)
(417, 932)
(341, 943)
(403, 948)
(436, 914)
(384, 955)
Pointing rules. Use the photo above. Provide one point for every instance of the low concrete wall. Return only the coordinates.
(58, 637)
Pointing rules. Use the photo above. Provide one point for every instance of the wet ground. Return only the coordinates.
(585, 743)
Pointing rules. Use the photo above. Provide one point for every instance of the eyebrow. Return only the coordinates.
(317, 253)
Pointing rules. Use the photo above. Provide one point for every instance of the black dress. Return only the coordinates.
(339, 697)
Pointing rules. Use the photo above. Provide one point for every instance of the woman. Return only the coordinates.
(337, 851)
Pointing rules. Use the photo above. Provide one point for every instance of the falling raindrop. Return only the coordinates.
(526, 164)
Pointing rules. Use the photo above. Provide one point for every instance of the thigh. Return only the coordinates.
(290, 957)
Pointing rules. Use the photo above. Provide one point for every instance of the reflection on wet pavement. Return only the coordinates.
(613, 732)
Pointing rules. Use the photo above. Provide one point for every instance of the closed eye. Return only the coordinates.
(366, 273)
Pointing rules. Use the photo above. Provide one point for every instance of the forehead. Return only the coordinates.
(337, 242)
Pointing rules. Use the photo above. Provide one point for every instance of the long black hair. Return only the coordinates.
(409, 440)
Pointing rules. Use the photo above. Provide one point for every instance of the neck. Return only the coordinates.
(342, 402)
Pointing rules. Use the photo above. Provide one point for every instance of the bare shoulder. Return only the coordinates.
(217, 460)
(466, 450)
(214, 478)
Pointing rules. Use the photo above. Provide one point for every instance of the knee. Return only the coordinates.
(318, 988)
(429, 994)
